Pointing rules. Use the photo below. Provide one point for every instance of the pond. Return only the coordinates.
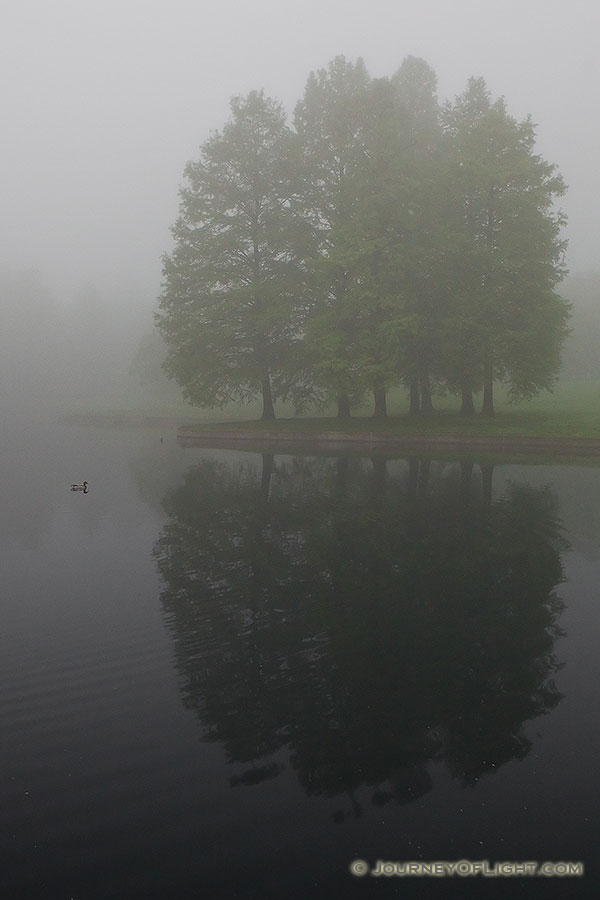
(227, 674)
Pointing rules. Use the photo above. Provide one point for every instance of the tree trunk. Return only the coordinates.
(343, 407)
(488, 390)
(268, 412)
(467, 408)
(380, 402)
(426, 401)
(415, 397)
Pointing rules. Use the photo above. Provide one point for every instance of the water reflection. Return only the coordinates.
(358, 619)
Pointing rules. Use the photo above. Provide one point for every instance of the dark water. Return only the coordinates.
(227, 675)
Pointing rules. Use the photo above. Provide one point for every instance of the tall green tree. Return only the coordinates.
(397, 227)
(359, 325)
(505, 320)
(330, 123)
(389, 244)
(231, 310)
(425, 223)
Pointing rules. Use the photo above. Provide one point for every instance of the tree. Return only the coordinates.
(330, 121)
(231, 310)
(505, 321)
(425, 223)
(378, 244)
(383, 242)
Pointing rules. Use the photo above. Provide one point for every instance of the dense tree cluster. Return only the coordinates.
(381, 239)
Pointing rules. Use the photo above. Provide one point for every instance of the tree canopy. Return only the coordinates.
(382, 240)
(231, 307)
(507, 323)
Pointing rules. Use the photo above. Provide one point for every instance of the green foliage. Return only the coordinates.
(384, 241)
(232, 303)
(506, 322)
(330, 123)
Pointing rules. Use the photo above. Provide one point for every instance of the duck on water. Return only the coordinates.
(80, 487)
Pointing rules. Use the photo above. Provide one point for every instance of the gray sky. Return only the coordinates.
(104, 101)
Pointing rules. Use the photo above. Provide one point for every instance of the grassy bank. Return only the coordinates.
(572, 410)
(513, 423)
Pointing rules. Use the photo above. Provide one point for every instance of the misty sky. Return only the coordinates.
(104, 101)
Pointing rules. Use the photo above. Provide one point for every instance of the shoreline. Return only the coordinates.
(260, 438)
(223, 438)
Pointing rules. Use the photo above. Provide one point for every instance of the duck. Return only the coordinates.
(80, 487)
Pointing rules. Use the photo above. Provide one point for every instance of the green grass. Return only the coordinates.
(504, 423)
(572, 410)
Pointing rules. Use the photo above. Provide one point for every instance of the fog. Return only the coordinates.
(64, 357)
(104, 102)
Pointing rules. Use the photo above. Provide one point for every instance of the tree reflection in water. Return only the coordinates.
(367, 617)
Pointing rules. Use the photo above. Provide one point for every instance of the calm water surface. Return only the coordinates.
(230, 675)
